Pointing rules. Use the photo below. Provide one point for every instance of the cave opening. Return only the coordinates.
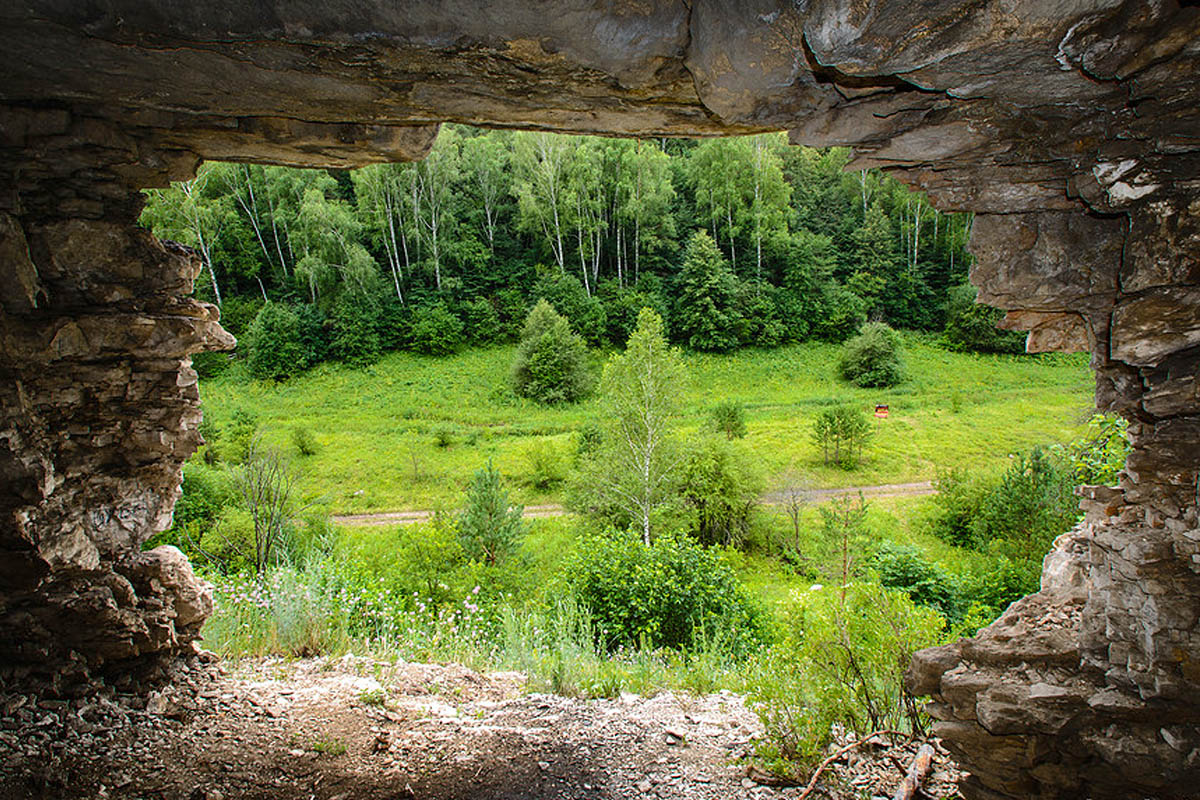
(1071, 136)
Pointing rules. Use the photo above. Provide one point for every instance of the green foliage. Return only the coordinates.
(239, 435)
(566, 294)
(481, 322)
(355, 327)
(443, 436)
(435, 330)
(547, 467)
(1019, 514)
(971, 326)
(229, 543)
(1097, 458)
(906, 569)
(841, 433)
(489, 526)
(664, 594)
(551, 364)
(640, 389)
(1014, 518)
(729, 417)
(705, 316)
(841, 659)
(720, 486)
(873, 358)
(303, 441)
(274, 343)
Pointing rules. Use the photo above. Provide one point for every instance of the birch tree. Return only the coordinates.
(640, 388)
(544, 204)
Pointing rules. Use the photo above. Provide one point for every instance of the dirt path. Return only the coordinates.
(554, 510)
(360, 729)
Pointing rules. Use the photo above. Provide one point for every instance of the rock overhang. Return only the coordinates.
(1072, 129)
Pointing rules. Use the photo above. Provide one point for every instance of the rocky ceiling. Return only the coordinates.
(1072, 128)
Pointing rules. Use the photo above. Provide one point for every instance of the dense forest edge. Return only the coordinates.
(736, 242)
(531, 314)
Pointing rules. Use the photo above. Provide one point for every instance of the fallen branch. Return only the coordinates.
(812, 784)
(916, 773)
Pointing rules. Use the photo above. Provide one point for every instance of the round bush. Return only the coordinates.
(551, 365)
(274, 343)
(665, 594)
(435, 330)
(874, 358)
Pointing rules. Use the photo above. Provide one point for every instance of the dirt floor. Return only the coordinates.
(361, 729)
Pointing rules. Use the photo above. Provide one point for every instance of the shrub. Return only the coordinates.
(303, 440)
(1098, 457)
(906, 569)
(566, 295)
(229, 543)
(314, 340)
(210, 364)
(274, 343)
(721, 487)
(840, 312)
(958, 500)
(489, 526)
(551, 364)
(481, 323)
(971, 326)
(546, 464)
(239, 436)
(355, 327)
(665, 594)
(435, 330)
(729, 418)
(841, 432)
(443, 436)
(874, 358)
(841, 660)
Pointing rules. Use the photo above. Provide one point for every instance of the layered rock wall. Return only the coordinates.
(1072, 129)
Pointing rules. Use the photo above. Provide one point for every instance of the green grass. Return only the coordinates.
(376, 428)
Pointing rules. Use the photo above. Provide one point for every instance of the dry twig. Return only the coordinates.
(812, 783)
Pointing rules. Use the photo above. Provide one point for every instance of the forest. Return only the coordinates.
(455, 249)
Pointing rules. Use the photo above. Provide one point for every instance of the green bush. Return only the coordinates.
(1017, 515)
(1098, 457)
(210, 364)
(305, 443)
(274, 343)
(729, 418)
(355, 325)
(841, 659)
(665, 594)
(551, 364)
(566, 295)
(874, 358)
(906, 569)
(230, 542)
(972, 327)
(547, 467)
(721, 487)
(435, 330)
(481, 323)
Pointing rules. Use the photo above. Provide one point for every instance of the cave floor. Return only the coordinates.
(360, 729)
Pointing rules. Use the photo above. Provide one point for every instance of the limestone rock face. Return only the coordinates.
(1072, 129)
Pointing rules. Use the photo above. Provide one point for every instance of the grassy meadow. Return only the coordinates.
(408, 432)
